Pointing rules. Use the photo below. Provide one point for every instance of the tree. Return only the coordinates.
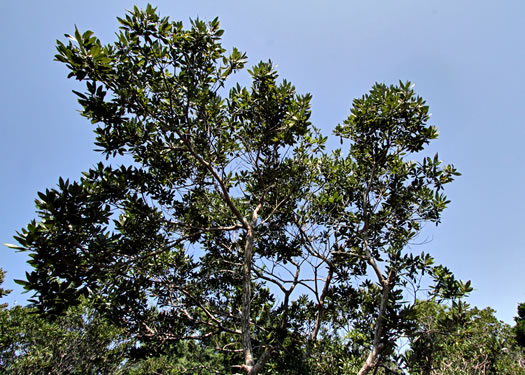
(226, 222)
(78, 342)
(81, 341)
(3, 292)
(461, 340)
(519, 329)
(178, 225)
(374, 202)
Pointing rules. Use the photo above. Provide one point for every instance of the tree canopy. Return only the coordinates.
(80, 341)
(519, 330)
(3, 292)
(461, 340)
(220, 217)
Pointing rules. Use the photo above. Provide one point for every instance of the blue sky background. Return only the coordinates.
(465, 57)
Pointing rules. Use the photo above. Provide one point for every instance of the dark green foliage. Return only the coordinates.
(519, 329)
(185, 357)
(226, 229)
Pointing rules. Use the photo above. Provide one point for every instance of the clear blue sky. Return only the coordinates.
(465, 57)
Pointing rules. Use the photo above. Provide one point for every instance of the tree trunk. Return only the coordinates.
(246, 301)
(377, 347)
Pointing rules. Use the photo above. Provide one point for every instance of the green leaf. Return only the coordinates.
(16, 247)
